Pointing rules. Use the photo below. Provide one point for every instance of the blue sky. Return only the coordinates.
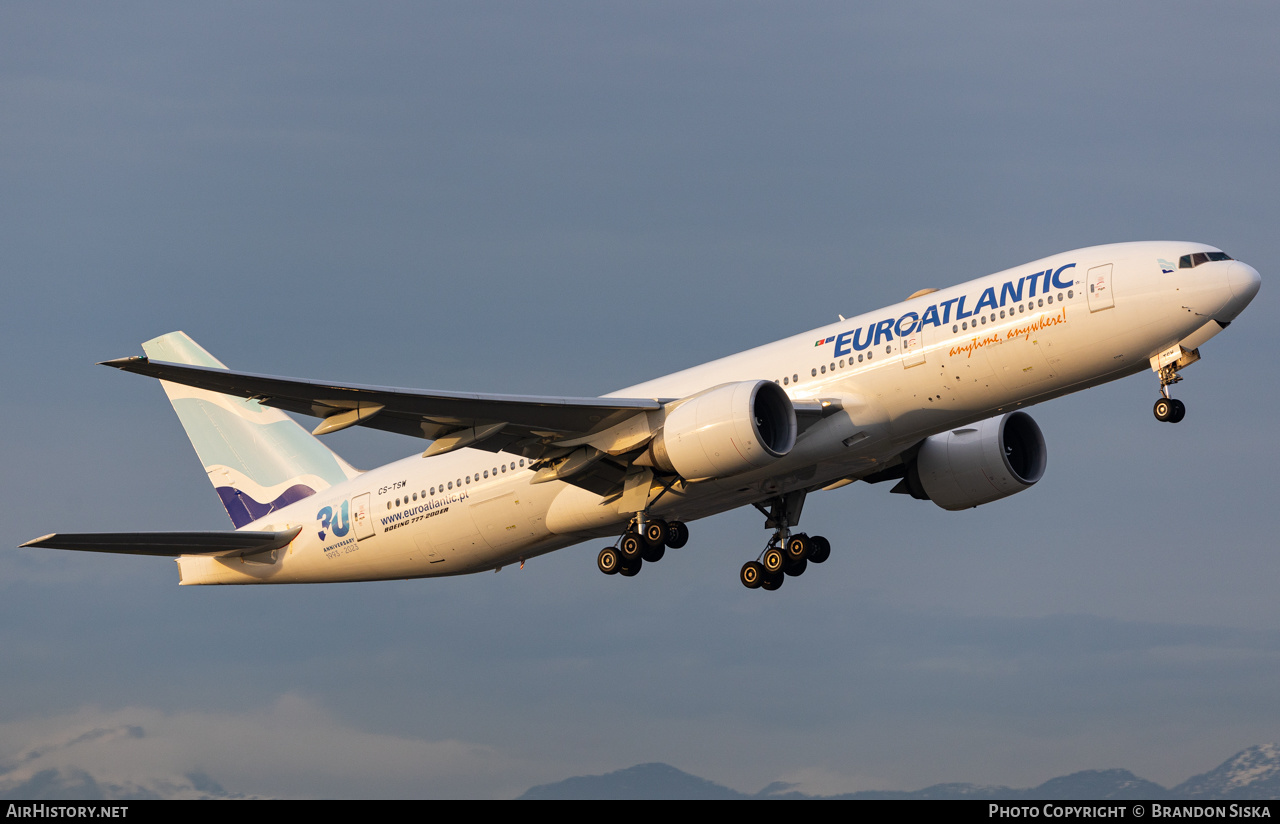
(570, 198)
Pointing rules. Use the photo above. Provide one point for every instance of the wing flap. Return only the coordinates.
(223, 544)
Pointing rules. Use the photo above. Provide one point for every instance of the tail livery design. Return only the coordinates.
(258, 459)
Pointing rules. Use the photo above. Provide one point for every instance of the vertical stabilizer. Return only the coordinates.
(258, 458)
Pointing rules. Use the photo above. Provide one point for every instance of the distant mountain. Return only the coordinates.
(641, 782)
(1253, 774)
(1100, 784)
(69, 783)
(1085, 784)
(1250, 774)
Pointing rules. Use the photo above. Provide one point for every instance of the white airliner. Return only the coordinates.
(926, 392)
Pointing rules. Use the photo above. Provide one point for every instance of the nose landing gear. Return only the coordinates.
(1166, 366)
(1170, 410)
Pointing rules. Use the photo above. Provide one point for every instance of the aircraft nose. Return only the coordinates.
(1245, 283)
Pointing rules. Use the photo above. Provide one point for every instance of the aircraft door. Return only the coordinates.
(362, 516)
(1099, 284)
(913, 347)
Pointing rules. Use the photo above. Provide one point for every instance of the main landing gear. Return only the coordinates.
(786, 554)
(644, 540)
(781, 558)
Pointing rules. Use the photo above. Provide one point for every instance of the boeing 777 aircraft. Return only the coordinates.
(928, 393)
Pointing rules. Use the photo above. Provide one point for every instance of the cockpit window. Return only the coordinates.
(1192, 261)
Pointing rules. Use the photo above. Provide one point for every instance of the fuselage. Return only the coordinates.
(941, 359)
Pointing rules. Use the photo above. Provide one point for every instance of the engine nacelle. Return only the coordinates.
(725, 431)
(980, 463)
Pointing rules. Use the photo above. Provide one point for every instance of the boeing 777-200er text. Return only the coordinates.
(927, 393)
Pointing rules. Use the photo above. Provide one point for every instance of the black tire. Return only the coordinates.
(677, 534)
(653, 554)
(655, 532)
(796, 568)
(630, 569)
(821, 549)
(772, 582)
(1163, 410)
(798, 548)
(752, 575)
(774, 560)
(631, 547)
(1179, 411)
(609, 561)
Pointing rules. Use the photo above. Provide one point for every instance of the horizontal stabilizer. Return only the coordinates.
(170, 544)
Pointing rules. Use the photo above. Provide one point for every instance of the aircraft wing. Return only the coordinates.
(224, 544)
(521, 423)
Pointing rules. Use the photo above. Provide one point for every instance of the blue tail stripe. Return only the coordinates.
(245, 510)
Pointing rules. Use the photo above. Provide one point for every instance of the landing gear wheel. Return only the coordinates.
(1163, 410)
(798, 548)
(631, 547)
(771, 582)
(653, 554)
(774, 560)
(631, 568)
(677, 534)
(655, 532)
(752, 575)
(821, 549)
(1179, 411)
(609, 561)
(796, 568)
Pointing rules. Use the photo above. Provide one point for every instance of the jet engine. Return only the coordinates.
(979, 463)
(724, 431)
